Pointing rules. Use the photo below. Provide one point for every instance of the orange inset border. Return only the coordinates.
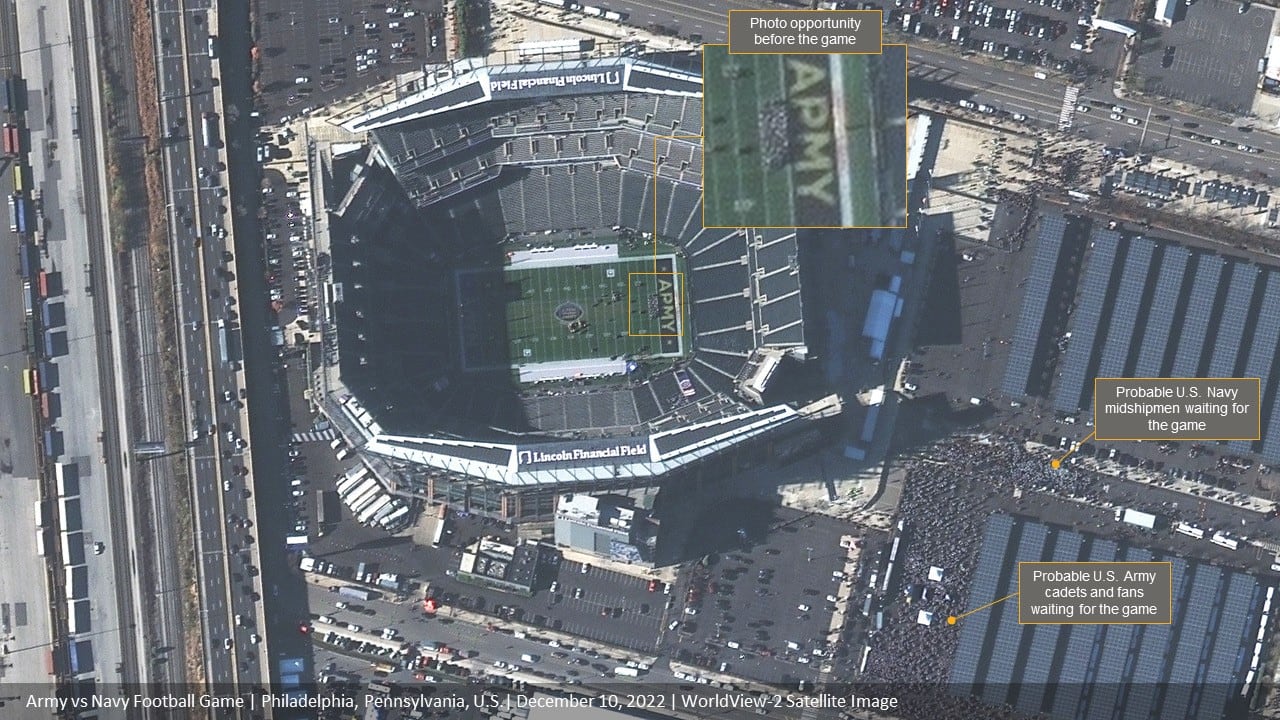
(906, 153)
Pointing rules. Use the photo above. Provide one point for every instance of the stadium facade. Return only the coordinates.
(516, 157)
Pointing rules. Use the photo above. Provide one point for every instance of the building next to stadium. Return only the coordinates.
(471, 166)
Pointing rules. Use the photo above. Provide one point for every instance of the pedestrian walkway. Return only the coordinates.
(315, 436)
(1068, 114)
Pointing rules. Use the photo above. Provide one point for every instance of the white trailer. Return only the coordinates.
(363, 488)
(346, 484)
(383, 512)
(1137, 517)
(367, 501)
(395, 517)
(357, 500)
(367, 514)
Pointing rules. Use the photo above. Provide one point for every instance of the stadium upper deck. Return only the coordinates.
(471, 82)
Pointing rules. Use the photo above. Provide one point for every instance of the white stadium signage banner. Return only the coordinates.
(525, 82)
(622, 450)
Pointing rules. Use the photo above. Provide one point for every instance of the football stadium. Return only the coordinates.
(525, 302)
(806, 140)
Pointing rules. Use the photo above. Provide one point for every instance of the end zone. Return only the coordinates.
(655, 305)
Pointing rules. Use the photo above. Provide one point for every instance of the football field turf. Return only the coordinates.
(525, 316)
(790, 140)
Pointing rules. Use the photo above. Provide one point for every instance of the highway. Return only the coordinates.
(194, 168)
(708, 19)
(946, 77)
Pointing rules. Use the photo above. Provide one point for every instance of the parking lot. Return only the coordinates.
(314, 52)
(598, 604)
(1041, 33)
(765, 611)
(957, 360)
(289, 282)
(1210, 57)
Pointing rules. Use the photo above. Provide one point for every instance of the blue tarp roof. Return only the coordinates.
(879, 318)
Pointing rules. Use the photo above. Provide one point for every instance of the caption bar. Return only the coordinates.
(1177, 408)
(812, 32)
(1095, 593)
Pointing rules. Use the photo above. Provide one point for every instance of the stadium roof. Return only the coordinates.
(471, 83)
(583, 460)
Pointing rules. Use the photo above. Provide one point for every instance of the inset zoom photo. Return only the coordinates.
(814, 141)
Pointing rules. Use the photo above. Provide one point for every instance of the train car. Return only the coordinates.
(23, 226)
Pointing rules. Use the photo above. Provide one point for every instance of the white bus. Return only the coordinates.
(1190, 530)
(384, 512)
(1225, 541)
(347, 483)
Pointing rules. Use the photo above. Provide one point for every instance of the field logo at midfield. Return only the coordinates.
(809, 92)
(569, 311)
(667, 301)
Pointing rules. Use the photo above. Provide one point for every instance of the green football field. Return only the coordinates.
(829, 179)
(525, 316)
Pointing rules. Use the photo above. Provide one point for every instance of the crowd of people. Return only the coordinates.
(946, 500)
(775, 133)
(949, 493)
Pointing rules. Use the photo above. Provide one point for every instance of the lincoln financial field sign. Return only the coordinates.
(537, 84)
(633, 450)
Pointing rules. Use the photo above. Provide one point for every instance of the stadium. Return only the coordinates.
(524, 302)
